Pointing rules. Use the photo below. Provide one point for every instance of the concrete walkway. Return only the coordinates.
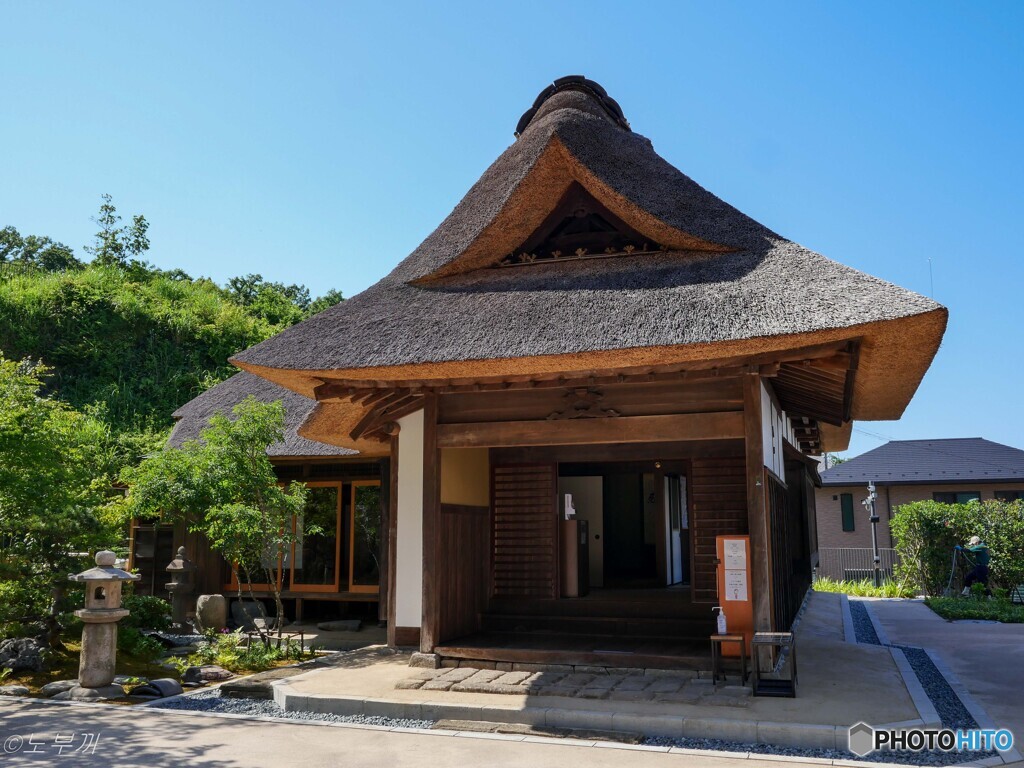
(987, 658)
(840, 684)
(163, 738)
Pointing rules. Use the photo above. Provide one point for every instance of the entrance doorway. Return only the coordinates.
(637, 520)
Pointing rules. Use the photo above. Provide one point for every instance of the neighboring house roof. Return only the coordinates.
(949, 461)
(706, 283)
(194, 416)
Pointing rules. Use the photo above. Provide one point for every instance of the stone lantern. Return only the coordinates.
(182, 584)
(99, 636)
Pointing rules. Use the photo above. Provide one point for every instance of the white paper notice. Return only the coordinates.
(735, 585)
(735, 554)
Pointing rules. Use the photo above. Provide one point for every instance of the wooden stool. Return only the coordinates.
(716, 656)
(774, 686)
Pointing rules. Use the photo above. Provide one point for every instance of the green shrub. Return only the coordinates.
(133, 643)
(146, 612)
(864, 588)
(234, 652)
(20, 600)
(954, 608)
(925, 533)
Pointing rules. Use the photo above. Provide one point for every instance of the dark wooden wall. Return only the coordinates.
(790, 543)
(463, 574)
(718, 506)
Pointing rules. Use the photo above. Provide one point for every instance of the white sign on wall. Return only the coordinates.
(735, 554)
(735, 584)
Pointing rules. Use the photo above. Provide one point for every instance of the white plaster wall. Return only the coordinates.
(409, 549)
(775, 430)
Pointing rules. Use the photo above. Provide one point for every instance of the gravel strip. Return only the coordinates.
(212, 701)
(900, 758)
(862, 623)
(947, 704)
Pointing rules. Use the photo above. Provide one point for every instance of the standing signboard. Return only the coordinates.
(734, 588)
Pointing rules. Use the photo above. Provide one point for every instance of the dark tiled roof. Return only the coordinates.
(195, 415)
(956, 460)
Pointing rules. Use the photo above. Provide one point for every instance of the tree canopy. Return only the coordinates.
(125, 338)
(54, 479)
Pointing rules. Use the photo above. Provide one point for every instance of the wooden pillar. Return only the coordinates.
(430, 625)
(392, 540)
(757, 516)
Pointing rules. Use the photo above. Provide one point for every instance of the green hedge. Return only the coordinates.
(925, 533)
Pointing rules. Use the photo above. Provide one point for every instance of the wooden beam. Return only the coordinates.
(757, 513)
(430, 629)
(625, 429)
(378, 422)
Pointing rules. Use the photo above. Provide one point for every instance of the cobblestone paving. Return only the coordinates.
(595, 684)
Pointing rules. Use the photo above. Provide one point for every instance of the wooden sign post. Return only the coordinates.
(734, 595)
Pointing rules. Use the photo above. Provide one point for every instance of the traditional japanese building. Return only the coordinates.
(591, 322)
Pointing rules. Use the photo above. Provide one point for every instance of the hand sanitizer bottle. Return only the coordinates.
(720, 620)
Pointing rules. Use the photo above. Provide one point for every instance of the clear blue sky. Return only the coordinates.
(321, 142)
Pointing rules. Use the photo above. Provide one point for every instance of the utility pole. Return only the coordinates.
(869, 502)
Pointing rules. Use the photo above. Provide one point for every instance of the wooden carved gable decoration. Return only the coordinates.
(579, 227)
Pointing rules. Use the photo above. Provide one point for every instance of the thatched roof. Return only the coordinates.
(194, 416)
(718, 283)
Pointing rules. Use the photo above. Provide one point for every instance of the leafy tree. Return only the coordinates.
(51, 490)
(277, 303)
(224, 486)
(834, 460)
(117, 246)
(925, 533)
(326, 301)
(33, 251)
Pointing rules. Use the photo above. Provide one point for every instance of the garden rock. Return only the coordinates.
(212, 612)
(249, 615)
(94, 694)
(58, 686)
(343, 625)
(207, 673)
(167, 686)
(162, 688)
(425, 660)
(248, 688)
(63, 696)
(14, 690)
(22, 654)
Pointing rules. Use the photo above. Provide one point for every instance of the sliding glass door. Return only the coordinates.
(364, 534)
(316, 564)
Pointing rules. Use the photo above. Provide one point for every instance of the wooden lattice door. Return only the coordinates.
(524, 531)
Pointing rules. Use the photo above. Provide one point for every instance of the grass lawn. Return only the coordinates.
(971, 608)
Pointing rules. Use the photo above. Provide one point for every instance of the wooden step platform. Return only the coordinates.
(579, 649)
(612, 626)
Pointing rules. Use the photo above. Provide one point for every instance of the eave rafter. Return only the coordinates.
(813, 384)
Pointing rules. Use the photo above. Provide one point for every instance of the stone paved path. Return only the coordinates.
(599, 683)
